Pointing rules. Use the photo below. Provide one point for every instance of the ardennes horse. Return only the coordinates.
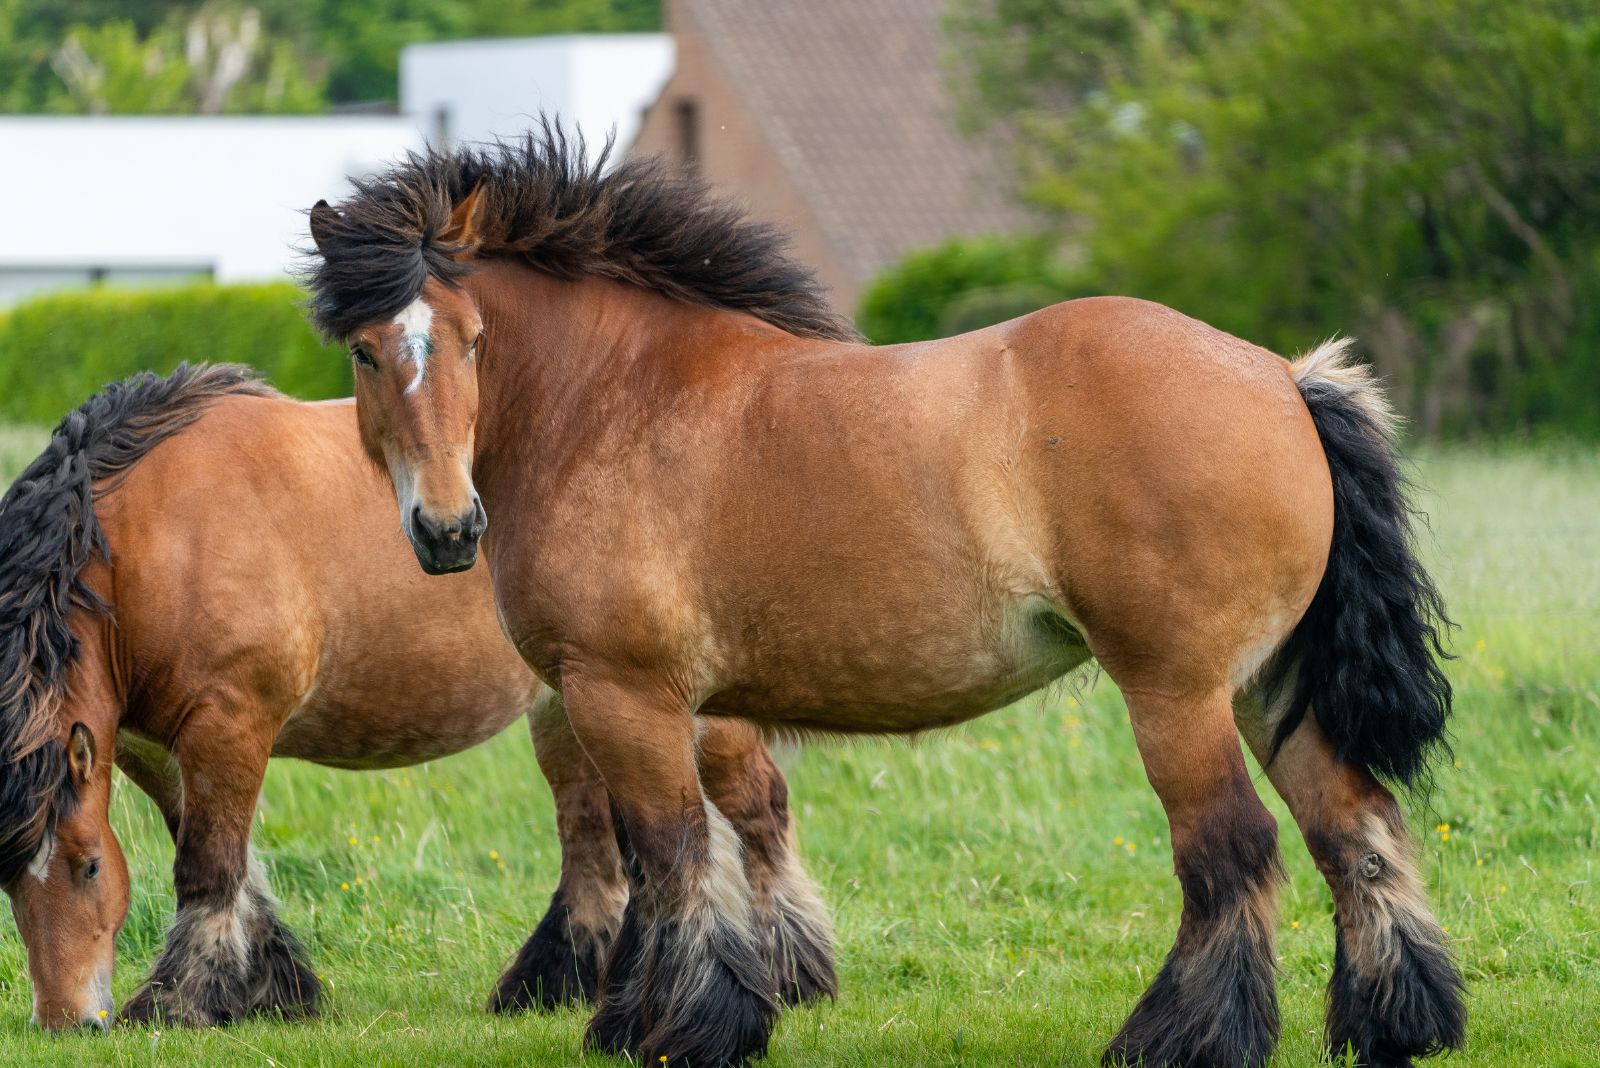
(163, 597)
(705, 499)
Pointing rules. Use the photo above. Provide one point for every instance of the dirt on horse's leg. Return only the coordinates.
(560, 962)
(685, 982)
(1214, 1004)
(1395, 993)
(227, 953)
(747, 787)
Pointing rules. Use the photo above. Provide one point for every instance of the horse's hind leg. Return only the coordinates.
(227, 953)
(560, 962)
(1213, 1005)
(1394, 993)
(747, 787)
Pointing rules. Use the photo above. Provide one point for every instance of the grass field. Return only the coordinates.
(1002, 893)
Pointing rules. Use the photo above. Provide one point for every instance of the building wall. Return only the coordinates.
(474, 91)
(734, 153)
(127, 199)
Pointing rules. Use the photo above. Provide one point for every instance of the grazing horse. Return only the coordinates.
(198, 574)
(706, 498)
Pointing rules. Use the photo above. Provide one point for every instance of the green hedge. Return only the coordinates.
(56, 350)
(963, 285)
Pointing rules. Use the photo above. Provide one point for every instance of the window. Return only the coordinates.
(688, 114)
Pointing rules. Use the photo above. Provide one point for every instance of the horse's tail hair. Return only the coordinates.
(1366, 657)
(48, 535)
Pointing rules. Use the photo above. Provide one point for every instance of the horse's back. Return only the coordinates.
(258, 561)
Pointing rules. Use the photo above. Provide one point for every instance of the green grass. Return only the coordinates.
(987, 914)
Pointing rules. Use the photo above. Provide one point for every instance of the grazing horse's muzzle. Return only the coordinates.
(448, 544)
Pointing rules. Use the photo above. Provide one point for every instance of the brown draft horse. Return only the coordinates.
(705, 497)
(198, 574)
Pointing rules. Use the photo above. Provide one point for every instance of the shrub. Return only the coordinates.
(961, 285)
(56, 350)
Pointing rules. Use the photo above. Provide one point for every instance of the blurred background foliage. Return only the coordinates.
(265, 56)
(56, 350)
(1424, 174)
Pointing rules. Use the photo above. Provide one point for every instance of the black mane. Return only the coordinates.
(642, 222)
(48, 535)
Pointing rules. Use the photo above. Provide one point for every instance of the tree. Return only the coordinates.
(1425, 173)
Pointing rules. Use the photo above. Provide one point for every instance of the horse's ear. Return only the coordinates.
(464, 229)
(80, 754)
(324, 216)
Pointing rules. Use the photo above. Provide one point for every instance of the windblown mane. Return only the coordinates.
(48, 534)
(643, 222)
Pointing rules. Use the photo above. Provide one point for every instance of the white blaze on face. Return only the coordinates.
(415, 321)
(39, 866)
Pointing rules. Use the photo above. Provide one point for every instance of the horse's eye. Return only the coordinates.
(363, 355)
(91, 870)
(477, 343)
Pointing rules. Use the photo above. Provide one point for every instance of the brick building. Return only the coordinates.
(831, 118)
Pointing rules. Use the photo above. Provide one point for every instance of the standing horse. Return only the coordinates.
(198, 574)
(704, 497)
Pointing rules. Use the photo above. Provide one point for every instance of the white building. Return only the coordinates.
(146, 200)
(461, 91)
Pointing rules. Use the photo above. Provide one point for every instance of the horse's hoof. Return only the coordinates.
(556, 966)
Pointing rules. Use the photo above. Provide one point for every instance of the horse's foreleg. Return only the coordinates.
(152, 769)
(685, 982)
(560, 961)
(1213, 1005)
(1394, 994)
(227, 953)
(747, 787)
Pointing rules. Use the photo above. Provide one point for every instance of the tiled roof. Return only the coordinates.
(853, 98)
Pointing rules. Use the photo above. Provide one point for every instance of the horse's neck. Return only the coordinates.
(561, 350)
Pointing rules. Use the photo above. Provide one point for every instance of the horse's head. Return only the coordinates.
(417, 400)
(71, 899)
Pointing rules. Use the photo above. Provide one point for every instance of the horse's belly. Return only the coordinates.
(910, 681)
(391, 735)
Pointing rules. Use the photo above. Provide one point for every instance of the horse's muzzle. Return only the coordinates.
(449, 544)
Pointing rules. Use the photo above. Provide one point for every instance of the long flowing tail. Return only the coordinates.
(48, 535)
(1366, 656)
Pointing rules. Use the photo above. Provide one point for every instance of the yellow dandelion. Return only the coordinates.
(1132, 846)
(494, 854)
(1446, 930)
(353, 841)
(102, 1014)
(358, 880)
(1117, 840)
(1502, 889)
(344, 886)
(1294, 925)
(1480, 645)
(1480, 862)
(375, 839)
(1445, 837)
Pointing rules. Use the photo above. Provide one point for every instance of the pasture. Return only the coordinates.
(1002, 892)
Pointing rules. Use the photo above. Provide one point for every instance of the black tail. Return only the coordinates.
(1366, 657)
(48, 534)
